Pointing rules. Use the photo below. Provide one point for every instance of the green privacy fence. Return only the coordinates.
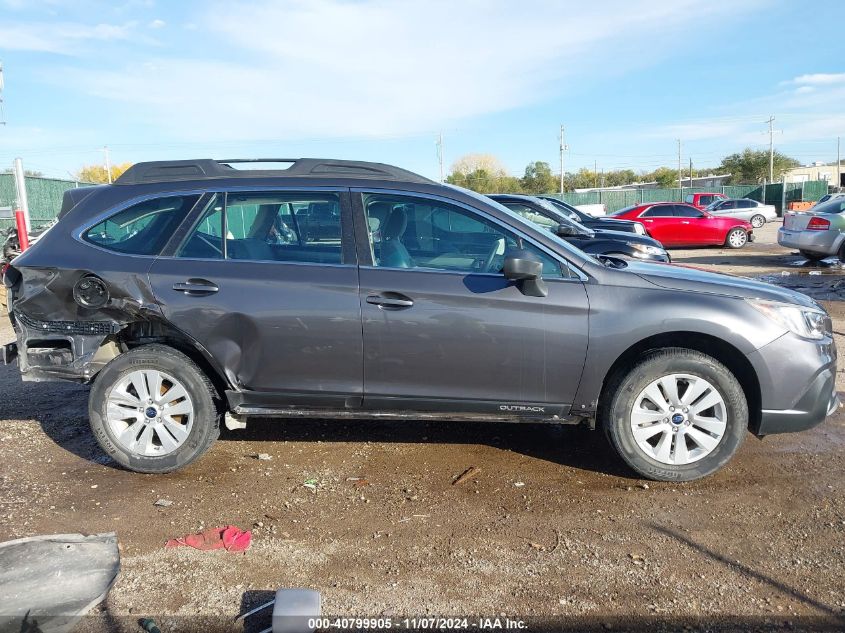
(44, 195)
(620, 198)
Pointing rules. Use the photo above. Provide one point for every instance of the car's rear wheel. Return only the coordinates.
(153, 410)
(677, 415)
(813, 257)
(736, 238)
(757, 221)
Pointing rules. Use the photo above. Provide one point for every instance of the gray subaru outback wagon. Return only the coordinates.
(195, 293)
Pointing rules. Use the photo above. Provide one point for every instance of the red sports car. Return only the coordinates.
(676, 224)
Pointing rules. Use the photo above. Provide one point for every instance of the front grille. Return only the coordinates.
(66, 327)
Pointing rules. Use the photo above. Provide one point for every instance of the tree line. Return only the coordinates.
(486, 174)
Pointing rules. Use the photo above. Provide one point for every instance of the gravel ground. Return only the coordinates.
(552, 528)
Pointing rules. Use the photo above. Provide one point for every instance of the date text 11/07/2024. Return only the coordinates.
(416, 624)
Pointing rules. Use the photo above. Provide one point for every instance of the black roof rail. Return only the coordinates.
(205, 168)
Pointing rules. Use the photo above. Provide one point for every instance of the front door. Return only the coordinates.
(444, 330)
(264, 282)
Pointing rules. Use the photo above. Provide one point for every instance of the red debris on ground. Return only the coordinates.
(230, 538)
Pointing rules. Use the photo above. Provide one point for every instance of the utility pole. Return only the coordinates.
(838, 165)
(690, 171)
(771, 149)
(562, 149)
(2, 118)
(680, 174)
(595, 174)
(440, 153)
(108, 162)
(20, 189)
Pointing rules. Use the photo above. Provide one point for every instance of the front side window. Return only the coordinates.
(703, 200)
(143, 228)
(280, 227)
(407, 232)
(682, 211)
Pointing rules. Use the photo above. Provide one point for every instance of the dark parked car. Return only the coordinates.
(606, 222)
(592, 241)
(175, 294)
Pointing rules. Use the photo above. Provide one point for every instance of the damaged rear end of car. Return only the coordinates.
(71, 316)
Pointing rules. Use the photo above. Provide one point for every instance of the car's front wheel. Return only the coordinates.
(757, 221)
(152, 410)
(677, 415)
(736, 238)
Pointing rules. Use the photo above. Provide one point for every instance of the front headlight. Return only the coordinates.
(810, 323)
(646, 249)
(639, 229)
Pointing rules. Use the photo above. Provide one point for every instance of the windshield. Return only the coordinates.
(834, 205)
(571, 213)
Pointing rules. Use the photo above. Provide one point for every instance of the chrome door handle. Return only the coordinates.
(684, 221)
(390, 300)
(196, 287)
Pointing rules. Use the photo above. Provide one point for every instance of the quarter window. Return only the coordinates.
(408, 232)
(143, 228)
(281, 227)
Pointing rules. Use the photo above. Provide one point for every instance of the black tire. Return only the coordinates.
(622, 390)
(757, 221)
(813, 257)
(206, 415)
(736, 232)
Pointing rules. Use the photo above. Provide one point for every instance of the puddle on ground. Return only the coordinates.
(822, 280)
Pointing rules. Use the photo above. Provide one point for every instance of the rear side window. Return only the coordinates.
(703, 200)
(268, 226)
(663, 211)
(143, 228)
(690, 198)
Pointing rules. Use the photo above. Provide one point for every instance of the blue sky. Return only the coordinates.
(378, 80)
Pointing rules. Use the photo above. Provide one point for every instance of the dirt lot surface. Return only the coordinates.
(551, 527)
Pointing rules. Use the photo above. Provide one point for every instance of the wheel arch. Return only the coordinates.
(722, 351)
(139, 333)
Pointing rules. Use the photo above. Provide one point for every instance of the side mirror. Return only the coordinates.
(524, 267)
(565, 230)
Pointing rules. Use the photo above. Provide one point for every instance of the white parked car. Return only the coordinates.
(744, 209)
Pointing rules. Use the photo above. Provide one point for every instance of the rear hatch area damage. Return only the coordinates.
(61, 334)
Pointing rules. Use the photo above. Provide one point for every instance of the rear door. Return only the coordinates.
(267, 283)
(444, 330)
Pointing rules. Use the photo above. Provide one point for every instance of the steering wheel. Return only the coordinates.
(491, 256)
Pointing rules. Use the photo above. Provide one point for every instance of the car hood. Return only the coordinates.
(690, 278)
(634, 238)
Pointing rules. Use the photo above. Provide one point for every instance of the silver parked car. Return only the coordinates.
(744, 209)
(817, 233)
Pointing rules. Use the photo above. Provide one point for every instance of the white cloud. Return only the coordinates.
(157, 24)
(817, 79)
(58, 37)
(331, 68)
